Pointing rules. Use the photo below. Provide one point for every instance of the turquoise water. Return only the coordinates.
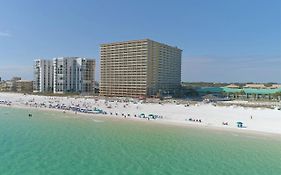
(53, 143)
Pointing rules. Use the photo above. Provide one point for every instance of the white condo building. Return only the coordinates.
(43, 75)
(73, 74)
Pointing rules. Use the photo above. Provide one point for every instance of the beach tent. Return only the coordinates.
(239, 124)
(151, 116)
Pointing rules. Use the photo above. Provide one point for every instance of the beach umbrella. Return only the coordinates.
(239, 124)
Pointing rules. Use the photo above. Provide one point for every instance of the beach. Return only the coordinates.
(54, 142)
(198, 114)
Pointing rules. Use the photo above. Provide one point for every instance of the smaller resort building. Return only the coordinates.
(248, 91)
(24, 86)
(16, 85)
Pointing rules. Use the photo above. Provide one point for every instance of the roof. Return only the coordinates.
(275, 86)
(254, 86)
(261, 91)
(232, 90)
(232, 86)
(209, 90)
(137, 41)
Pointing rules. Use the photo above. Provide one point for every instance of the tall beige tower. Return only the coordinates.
(139, 68)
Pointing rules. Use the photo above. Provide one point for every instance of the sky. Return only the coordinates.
(222, 40)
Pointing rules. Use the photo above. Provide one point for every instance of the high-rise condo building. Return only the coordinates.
(139, 68)
(73, 74)
(43, 75)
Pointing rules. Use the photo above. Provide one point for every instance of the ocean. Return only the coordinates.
(54, 143)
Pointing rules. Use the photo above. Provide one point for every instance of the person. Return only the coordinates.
(251, 117)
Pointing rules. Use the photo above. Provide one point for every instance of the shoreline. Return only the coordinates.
(264, 121)
(172, 123)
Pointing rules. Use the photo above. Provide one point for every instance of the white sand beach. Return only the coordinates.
(254, 119)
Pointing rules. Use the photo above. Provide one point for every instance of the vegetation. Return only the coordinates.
(203, 84)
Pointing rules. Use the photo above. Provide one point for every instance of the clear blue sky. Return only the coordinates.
(222, 40)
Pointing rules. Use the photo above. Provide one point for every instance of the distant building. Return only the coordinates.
(139, 68)
(16, 85)
(249, 91)
(43, 75)
(232, 86)
(96, 87)
(276, 86)
(11, 84)
(7, 86)
(256, 86)
(24, 86)
(15, 78)
(73, 74)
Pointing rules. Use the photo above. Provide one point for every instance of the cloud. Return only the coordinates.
(5, 34)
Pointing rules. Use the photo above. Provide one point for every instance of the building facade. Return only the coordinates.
(43, 76)
(8, 86)
(139, 68)
(73, 75)
(24, 86)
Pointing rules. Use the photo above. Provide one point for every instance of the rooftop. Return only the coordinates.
(136, 41)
